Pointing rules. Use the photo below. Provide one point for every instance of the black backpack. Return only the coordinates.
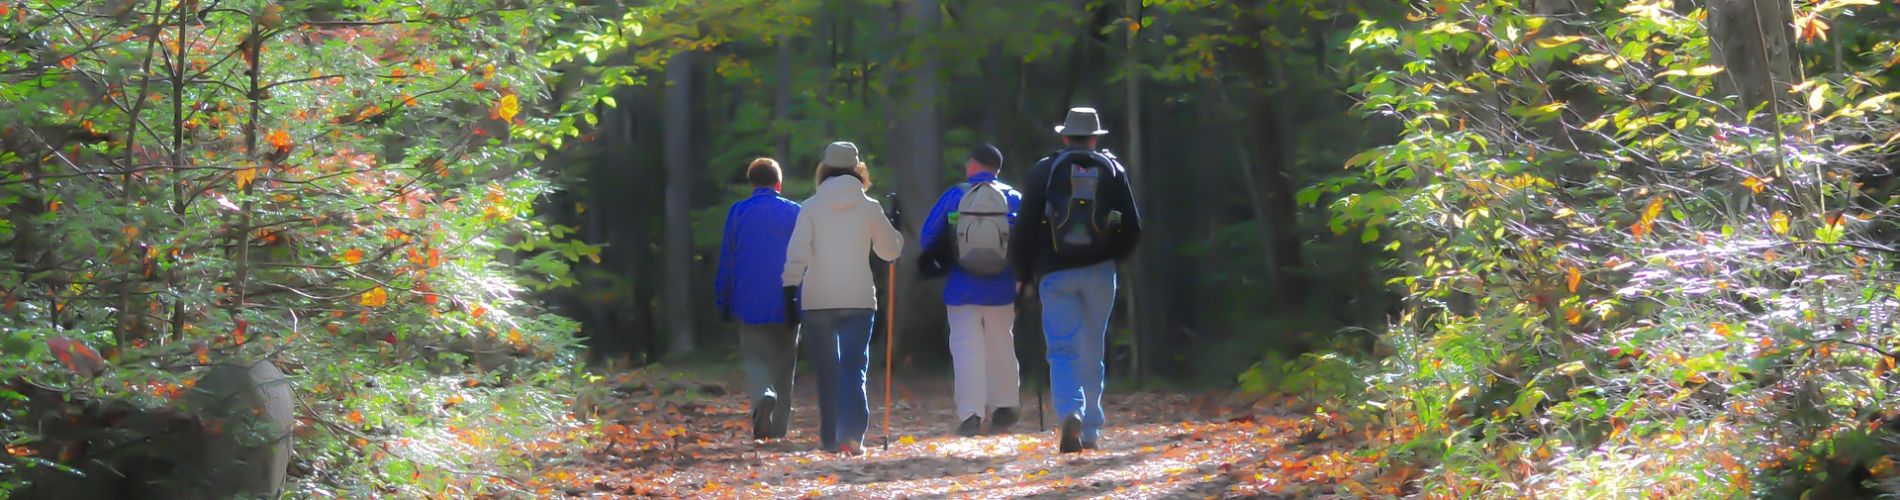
(1081, 224)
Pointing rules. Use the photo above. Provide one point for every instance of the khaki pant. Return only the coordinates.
(983, 354)
(770, 353)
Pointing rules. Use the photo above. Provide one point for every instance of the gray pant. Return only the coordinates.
(770, 355)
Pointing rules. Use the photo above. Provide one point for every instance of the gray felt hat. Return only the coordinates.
(1081, 122)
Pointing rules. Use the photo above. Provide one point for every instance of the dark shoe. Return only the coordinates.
(762, 417)
(1071, 434)
(1001, 419)
(970, 427)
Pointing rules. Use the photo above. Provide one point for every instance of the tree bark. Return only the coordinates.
(679, 236)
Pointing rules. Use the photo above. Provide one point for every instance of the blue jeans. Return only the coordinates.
(840, 343)
(1075, 308)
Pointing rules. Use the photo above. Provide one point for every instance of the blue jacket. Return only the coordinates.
(962, 288)
(752, 257)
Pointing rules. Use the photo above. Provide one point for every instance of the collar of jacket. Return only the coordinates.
(981, 177)
(764, 191)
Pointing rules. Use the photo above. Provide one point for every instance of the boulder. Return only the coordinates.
(229, 437)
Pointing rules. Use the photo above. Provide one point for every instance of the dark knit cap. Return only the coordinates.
(987, 155)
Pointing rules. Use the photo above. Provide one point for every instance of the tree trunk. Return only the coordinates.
(782, 107)
(1142, 333)
(679, 231)
(1753, 39)
(920, 164)
(1269, 159)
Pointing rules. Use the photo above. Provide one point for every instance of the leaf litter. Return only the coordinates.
(668, 438)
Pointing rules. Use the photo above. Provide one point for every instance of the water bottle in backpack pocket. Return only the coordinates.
(1078, 223)
(982, 223)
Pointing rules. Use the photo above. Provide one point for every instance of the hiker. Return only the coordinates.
(967, 237)
(827, 257)
(751, 265)
(1081, 220)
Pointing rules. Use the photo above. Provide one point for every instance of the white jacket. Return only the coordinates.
(838, 227)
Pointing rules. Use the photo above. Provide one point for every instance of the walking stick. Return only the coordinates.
(890, 327)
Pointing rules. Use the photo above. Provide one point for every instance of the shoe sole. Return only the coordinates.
(1071, 435)
(762, 419)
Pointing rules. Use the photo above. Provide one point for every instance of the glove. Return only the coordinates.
(791, 306)
(1025, 292)
(893, 212)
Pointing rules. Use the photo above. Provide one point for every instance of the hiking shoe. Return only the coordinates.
(1071, 434)
(762, 417)
(1001, 419)
(852, 448)
(970, 427)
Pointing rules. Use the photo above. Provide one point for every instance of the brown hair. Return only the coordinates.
(859, 171)
(764, 172)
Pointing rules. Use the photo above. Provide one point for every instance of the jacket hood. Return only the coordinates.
(840, 194)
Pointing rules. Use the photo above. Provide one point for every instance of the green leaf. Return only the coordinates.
(1370, 235)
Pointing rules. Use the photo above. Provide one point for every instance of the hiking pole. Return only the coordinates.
(890, 322)
(890, 328)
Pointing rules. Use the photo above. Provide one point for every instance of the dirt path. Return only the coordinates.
(1155, 445)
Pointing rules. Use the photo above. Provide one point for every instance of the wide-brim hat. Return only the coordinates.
(841, 154)
(1081, 122)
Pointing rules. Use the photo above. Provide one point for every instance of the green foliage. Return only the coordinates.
(1619, 278)
(344, 188)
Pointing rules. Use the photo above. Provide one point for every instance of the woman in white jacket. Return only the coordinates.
(837, 228)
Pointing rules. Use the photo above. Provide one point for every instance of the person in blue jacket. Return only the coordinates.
(980, 295)
(751, 261)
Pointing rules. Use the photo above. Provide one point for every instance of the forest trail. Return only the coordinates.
(672, 439)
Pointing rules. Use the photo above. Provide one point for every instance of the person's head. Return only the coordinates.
(765, 173)
(984, 158)
(841, 158)
(1082, 127)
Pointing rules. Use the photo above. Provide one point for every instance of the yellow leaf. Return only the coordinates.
(508, 107)
(1817, 99)
(1756, 184)
(1573, 279)
(906, 440)
(245, 177)
(1573, 316)
(1779, 222)
(375, 297)
(1654, 209)
(1557, 41)
(1705, 70)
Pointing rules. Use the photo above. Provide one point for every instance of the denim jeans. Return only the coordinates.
(1076, 304)
(840, 343)
(769, 353)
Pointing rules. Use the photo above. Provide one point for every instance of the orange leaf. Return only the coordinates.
(477, 311)
(353, 256)
(68, 62)
(1573, 279)
(1573, 316)
(356, 417)
(203, 351)
(279, 139)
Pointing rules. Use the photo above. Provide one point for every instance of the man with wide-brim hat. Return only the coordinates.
(1079, 217)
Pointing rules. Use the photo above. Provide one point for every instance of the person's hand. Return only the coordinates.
(791, 306)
